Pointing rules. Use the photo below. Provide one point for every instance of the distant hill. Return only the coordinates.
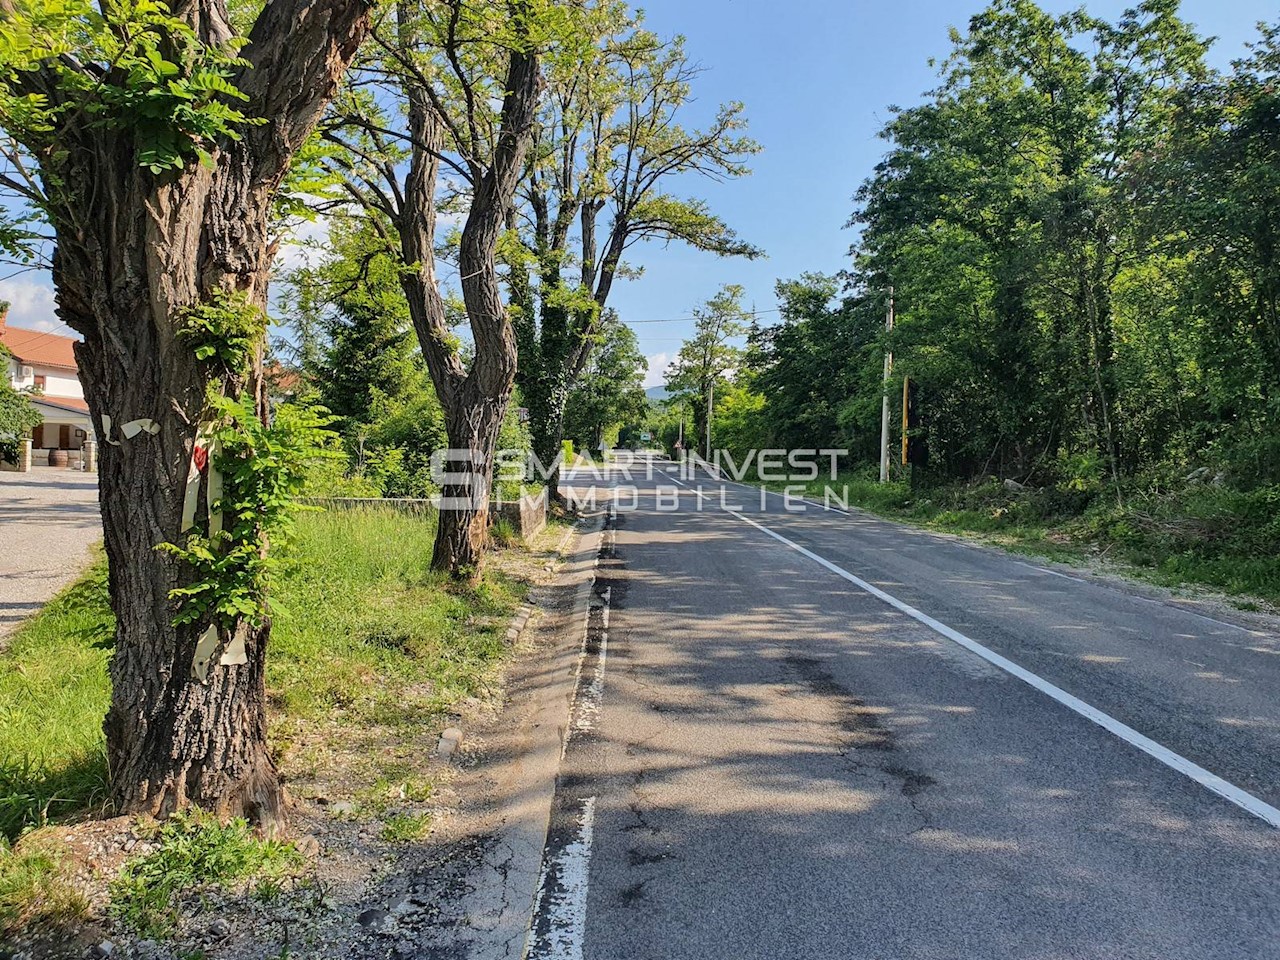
(658, 393)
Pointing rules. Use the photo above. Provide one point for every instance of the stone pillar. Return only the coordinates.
(24, 455)
(91, 456)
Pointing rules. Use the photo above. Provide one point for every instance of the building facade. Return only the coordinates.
(45, 364)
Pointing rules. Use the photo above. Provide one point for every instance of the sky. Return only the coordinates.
(817, 78)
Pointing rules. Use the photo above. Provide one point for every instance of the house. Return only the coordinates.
(45, 363)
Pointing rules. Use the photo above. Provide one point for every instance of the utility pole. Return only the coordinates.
(884, 397)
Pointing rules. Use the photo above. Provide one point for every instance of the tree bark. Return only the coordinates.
(546, 399)
(475, 399)
(133, 252)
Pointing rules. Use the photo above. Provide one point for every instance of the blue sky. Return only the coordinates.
(817, 77)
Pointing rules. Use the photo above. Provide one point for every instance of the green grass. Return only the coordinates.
(406, 827)
(367, 634)
(364, 635)
(34, 890)
(193, 851)
(1210, 536)
(53, 696)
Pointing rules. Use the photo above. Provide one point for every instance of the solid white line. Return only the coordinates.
(785, 498)
(593, 696)
(1159, 603)
(1052, 573)
(566, 908)
(1211, 781)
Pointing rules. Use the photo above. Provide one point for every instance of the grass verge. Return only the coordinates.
(369, 649)
(34, 887)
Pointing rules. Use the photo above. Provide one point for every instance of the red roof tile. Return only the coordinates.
(66, 403)
(34, 347)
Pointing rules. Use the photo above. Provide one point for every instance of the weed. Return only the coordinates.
(192, 851)
(34, 888)
(406, 827)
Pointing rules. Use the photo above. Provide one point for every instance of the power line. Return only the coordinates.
(751, 313)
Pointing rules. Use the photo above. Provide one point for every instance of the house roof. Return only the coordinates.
(282, 379)
(62, 403)
(36, 348)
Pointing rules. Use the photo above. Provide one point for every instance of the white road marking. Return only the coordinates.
(566, 906)
(593, 696)
(1053, 573)
(1210, 781)
(774, 493)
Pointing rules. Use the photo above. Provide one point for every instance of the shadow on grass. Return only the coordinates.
(33, 792)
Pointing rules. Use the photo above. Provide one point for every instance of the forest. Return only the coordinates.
(1080, 227)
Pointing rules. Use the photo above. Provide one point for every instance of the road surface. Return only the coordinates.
(823, 735)
(49, 520)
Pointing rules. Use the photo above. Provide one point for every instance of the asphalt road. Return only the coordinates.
(770, 761)
(49, 521)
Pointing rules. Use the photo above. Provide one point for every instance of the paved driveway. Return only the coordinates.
(49, 520)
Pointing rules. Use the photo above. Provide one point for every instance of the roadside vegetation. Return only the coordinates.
(370, 650)
(1076, 234)
(1197, 533)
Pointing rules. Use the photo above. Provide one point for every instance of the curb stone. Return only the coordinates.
(451, 738)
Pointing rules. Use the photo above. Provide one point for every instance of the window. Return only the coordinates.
(40, 381)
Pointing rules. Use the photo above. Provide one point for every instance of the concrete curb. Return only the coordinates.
(451, 738)
(502, 886)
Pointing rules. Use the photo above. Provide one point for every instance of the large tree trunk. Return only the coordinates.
(546, 398)
(134, 251)
(463, 531)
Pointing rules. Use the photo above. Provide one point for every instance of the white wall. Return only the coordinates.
(58, 382)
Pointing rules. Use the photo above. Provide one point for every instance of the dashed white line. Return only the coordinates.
(1210, 781)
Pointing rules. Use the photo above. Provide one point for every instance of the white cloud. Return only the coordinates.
(30, 302)
(658, 363)
(307, 242)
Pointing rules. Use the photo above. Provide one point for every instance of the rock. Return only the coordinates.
(405, 906)
(308, 845)
(220, 928)
(449, 741)
(373, 919)
(104, 949)
(342, 808)
(1014, 485)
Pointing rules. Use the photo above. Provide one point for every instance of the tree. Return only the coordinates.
(352, 324)
(359, 353)
(610, 390)
(707, 358)
(1209, 198)
(466, 75)
(817, 366)
(1003, 216)
(153, 149)
(609, 144)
